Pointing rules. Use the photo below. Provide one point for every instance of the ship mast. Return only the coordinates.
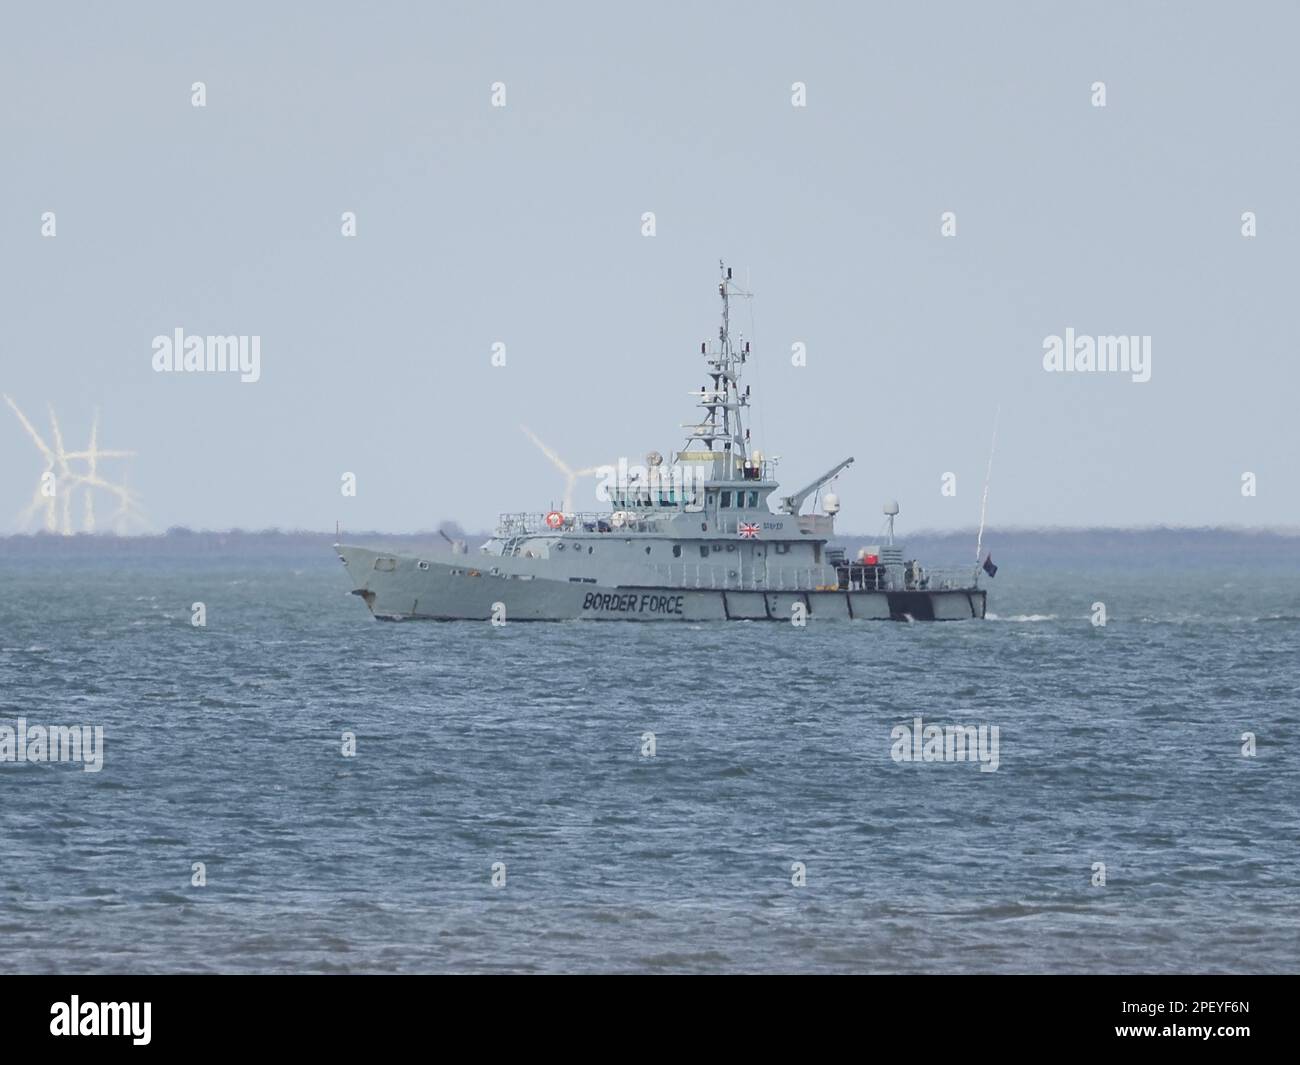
(723, 400)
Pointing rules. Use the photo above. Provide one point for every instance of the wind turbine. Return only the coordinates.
(40, 498)
(570, 475)
(67, 480)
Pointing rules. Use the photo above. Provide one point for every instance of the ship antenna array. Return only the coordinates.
(726, 395)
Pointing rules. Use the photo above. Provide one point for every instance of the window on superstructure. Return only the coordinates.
(726, 500)
(753, 499)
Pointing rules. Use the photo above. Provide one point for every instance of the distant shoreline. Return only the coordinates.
(1159, 544)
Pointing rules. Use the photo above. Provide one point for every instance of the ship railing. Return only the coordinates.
(597, 521)
(525, 523)
(943, 579)
(706, 576)
(640, 524)
(912, 578)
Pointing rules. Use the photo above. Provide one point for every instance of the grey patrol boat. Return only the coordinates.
(693, 540)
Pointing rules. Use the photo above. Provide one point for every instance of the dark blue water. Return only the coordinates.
(522, 745)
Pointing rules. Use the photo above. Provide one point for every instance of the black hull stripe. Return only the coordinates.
(916, 605)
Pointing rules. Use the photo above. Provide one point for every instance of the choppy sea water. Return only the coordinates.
(523, 745)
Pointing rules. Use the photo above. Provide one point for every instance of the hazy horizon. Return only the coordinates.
(449, 525)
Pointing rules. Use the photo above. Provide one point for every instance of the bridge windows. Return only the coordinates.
(734, 500)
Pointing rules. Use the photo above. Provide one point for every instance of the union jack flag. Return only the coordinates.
(749, 530)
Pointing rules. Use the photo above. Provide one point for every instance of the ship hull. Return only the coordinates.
(404, 588)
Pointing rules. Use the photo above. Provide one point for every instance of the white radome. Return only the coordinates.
(831, 502)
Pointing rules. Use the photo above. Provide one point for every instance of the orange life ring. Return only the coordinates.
(555, 519)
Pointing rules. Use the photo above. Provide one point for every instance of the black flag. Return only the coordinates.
(989, 568)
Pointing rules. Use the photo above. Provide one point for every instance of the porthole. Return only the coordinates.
(422, 564)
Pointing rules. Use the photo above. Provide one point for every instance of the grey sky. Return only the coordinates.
(523, 225)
